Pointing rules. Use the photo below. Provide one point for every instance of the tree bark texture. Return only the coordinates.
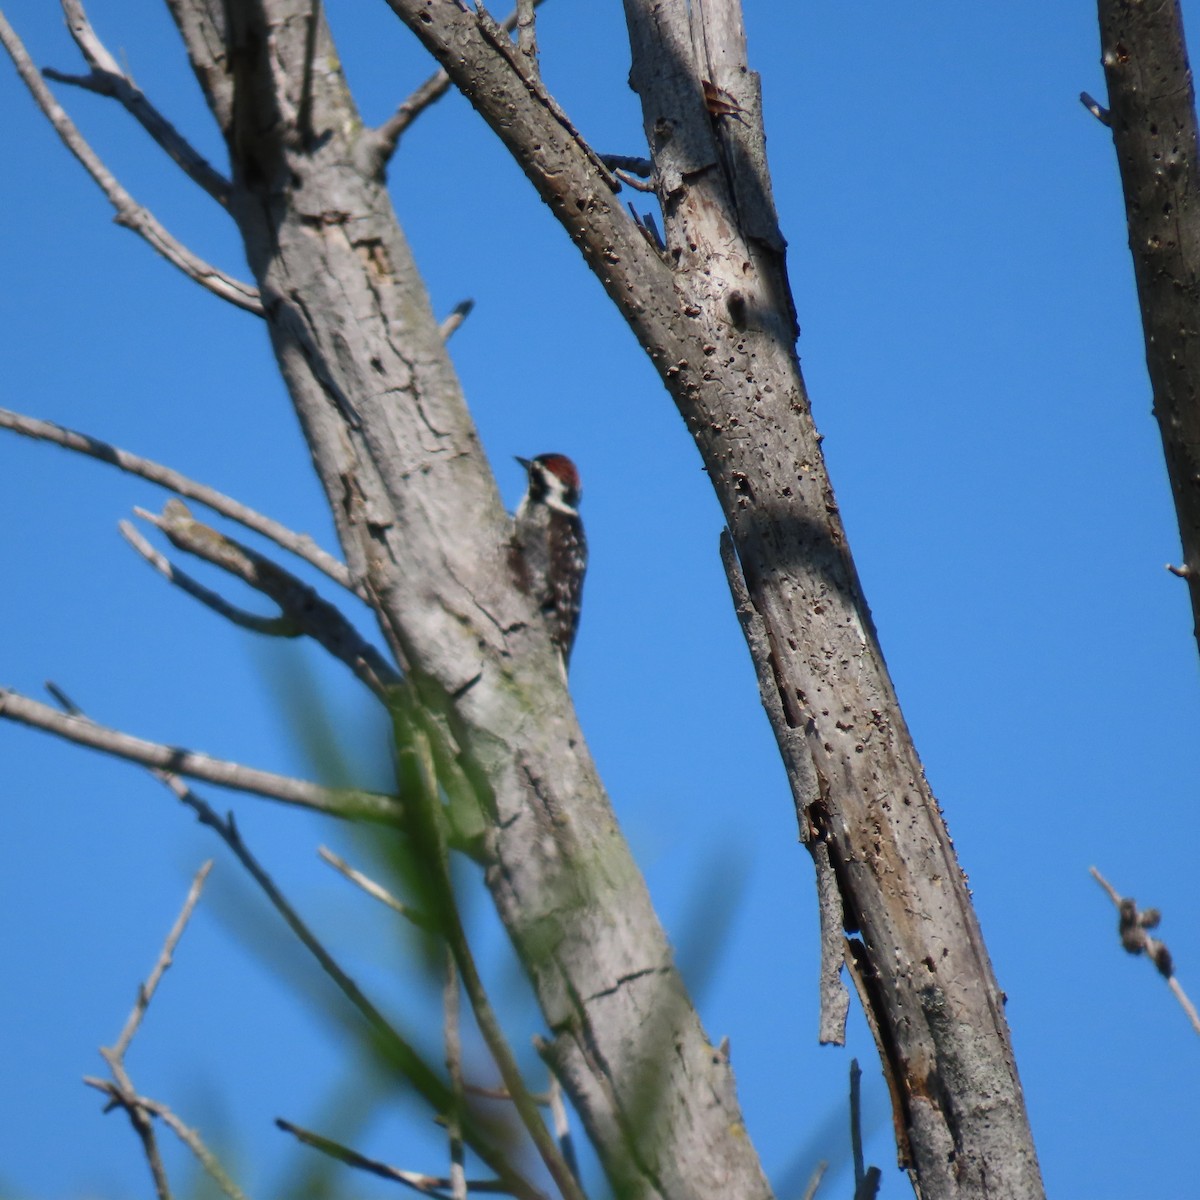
(1152, 113)
(714, 312)
(425, 534)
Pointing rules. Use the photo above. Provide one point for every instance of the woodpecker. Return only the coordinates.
(549, 549)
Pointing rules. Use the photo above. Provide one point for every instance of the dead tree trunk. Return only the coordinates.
(1152, 113)
(713, 309)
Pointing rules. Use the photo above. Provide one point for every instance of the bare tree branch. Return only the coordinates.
(1132, 928)
(299, 544)
(282, 626)
(458, 314)
(203, 23)
(527, 33)
(383, 142)
(562, 1126)
(387, 136)
(414, 1068)
(632, 164)
(1095, 108)
(866, 1179)
(165, 958)
(452, 1036)
(120, 1089)
(638, 185)
(421, 523)
(814, 1180)
(129, 213)
(793, 747)
(108, 79)
(85, 732)
(314, 616)
(185, 1133)
(375, 890)
(427, 1185)
(138, 1109)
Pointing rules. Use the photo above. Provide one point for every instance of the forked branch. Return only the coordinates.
(299, 544)
(281, 626)
(392, 1043)
(382, 144)
(129, 213)
(300, 604)
(106, 78)
(120, 1090)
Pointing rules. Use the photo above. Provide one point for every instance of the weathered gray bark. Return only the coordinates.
(423, 529)
(714, 313)
(1152, 112)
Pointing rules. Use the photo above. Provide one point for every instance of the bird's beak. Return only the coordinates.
(523, 461)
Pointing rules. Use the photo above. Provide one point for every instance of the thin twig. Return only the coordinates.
(375, 890)
(129, 213)
(458, 314)
(185, 1133)
(413, 1066)
(416, 1071)
(386, 137)
(866, 1180)
(1113, 894)
(146, 990)
(108, 79)
(316, 617)
(428, 1185)
(283, 626)
(120, 1089)
(527, 34)
(814, 1180)
(630, 180)
(1096, 109)
(856, 1148)
(562, 1126)
(136, 1109)
(299, 544)
(630, 163)
(409, 1061)
(1133, 929)
(300, 792)
(453, 1039)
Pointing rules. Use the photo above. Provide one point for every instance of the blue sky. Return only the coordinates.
(971, 342)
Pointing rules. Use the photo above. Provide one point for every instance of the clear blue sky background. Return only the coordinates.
(972, 346)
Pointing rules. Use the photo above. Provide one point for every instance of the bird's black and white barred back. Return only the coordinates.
(550, 557)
